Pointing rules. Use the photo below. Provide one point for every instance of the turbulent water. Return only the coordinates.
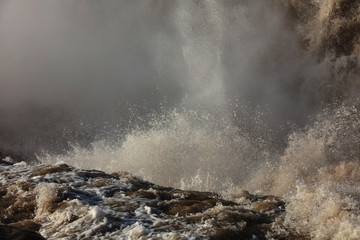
(211, 96)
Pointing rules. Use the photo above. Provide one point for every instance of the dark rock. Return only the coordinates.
(49, 170)
(14, 233)
(142, 194)
(27, 225)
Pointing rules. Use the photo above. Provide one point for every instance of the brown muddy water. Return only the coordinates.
(166, 119)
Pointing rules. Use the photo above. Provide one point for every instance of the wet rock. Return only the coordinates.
(143, 194)
(13, 233)
(26, 225)
(94, 174)
(187, 207)
(49, 170)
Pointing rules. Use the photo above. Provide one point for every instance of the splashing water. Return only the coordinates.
(228, 96)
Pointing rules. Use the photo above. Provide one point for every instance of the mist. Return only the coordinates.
(67, 68)
(72, 72)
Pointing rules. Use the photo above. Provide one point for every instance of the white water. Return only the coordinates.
(246, 105)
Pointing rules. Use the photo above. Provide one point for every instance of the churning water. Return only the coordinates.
(203, 95)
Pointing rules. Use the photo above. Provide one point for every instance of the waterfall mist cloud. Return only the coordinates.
(62, 62)
(70, 69)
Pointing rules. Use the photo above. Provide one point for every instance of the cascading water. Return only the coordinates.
(202, 39)
(202, 95)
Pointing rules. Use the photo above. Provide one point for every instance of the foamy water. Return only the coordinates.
(206, 96)
(62, 202)
(315, 176)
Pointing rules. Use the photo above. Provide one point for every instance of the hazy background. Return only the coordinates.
(80, 71)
